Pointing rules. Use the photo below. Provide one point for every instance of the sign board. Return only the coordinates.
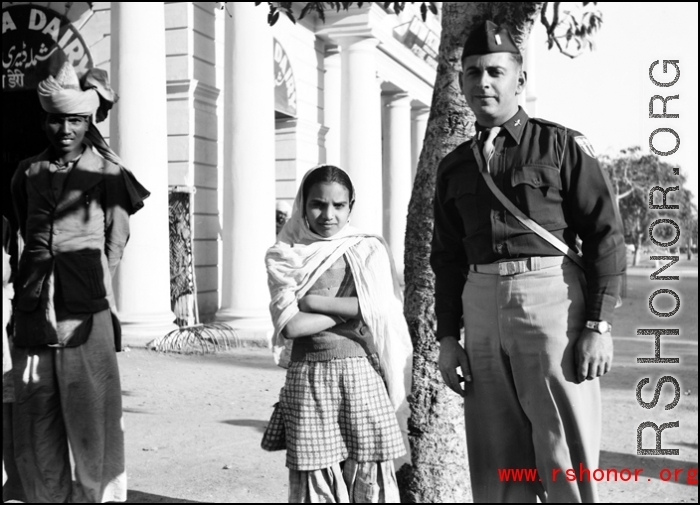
(285, 87)
(36, 41)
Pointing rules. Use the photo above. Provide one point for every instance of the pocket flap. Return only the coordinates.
(537, 176)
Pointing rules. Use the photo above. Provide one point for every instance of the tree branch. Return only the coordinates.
(626, 193)
(579, 31)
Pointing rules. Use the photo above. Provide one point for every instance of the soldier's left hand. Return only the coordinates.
(594, 354)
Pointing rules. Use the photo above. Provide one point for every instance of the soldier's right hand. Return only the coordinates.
(453, 355)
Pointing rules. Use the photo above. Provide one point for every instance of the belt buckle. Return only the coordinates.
(506, 268)
(513, 267)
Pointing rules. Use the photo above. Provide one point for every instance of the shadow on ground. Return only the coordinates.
(247, 358)
(141, 497)
(248, 423)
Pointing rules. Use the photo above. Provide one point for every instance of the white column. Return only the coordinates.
(419, 122)
(331, 104)
(139, 135)
(248, 227)
(361, 143)
(397, 172)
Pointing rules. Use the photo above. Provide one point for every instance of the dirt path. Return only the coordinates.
(194, 423)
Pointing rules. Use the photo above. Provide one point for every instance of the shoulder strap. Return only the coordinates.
(520, 216)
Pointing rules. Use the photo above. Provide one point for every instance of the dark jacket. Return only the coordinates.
(79, 237)
(552, 175)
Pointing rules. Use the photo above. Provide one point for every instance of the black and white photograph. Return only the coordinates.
(350, 252)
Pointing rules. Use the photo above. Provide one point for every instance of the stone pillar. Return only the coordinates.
(139, 134)
(419, 122)
(361, 143)
(248, 227)
(397, 172)
(331, 104)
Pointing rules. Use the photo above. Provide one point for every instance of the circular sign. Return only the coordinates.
(36, 41)
(285, 88)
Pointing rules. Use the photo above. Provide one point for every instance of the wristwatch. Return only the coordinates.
(599, 326)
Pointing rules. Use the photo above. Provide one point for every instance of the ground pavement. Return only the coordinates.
(194, 423)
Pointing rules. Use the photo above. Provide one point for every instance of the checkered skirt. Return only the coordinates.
(335, 410)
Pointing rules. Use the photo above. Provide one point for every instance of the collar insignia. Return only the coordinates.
(517, 122)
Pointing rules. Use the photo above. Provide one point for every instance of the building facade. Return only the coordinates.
(214, 99)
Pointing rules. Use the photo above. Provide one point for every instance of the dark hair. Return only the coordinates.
(328, 173)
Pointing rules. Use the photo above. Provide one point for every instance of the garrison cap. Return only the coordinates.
(489, 38)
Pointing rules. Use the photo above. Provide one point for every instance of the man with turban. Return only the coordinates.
(73, 209)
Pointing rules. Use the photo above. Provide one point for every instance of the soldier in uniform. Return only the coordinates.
(537, 325)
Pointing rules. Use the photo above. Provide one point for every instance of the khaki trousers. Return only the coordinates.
(523, 408)
(70, 397)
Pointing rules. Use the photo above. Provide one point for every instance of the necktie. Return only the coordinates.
(488, 148)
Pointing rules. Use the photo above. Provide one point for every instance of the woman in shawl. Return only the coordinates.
(336, 299)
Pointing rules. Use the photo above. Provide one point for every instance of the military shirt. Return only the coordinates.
(551, 174)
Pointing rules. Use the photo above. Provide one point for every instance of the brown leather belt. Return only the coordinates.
(519, 266)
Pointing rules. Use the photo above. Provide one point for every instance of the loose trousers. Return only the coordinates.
(70, 397)
(524, 408)
(356, 482)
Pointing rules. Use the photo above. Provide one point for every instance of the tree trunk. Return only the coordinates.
(436, 428)
(637, 250)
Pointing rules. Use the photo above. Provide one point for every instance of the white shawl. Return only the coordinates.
(299, 258)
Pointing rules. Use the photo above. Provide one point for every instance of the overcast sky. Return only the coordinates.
(605, 93)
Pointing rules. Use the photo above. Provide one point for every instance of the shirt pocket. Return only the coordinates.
(537, 190)
(464, 193)
(87, 211)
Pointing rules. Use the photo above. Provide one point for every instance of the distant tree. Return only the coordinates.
(632, 175)
(439, 472)
(691, 233)
(687, 219)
